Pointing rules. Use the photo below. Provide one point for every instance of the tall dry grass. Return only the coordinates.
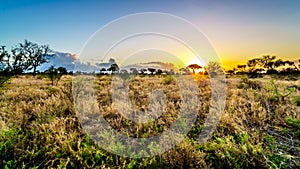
(260, 127)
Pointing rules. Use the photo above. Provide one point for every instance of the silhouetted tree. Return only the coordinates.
(143, 71)
(231, 72)
(194, 67)
(278, 63)
(29, 55)
(252, 64)
(159, 72)
(242, 67)
(102, 71)
(151, 70)
(4, 66)
(267, 62)
(114, 68)
(62, 70)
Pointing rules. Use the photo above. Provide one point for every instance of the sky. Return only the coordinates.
(238, 29)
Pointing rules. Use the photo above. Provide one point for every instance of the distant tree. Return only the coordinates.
(166, 72)
(152, 70)
(114, 68)
(143, 71)
(123, 71)
(184, 71)
(242, 67)
(231, 72)
(102, 71)
(194, 67)
(278, 63)
(159, 72)
(29, 55)
(252, 64)
(267, 62)
(134, 71)
(214, 69)
(53, 74)
(62, 70)
(288, 63)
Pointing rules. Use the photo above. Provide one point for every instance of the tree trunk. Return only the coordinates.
(34, 70)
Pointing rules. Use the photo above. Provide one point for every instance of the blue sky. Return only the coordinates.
(238, 29)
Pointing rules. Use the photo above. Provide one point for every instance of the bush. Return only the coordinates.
(168, 80)
(55, 74)
(246, 84)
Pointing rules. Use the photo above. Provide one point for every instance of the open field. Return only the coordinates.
(260, 127)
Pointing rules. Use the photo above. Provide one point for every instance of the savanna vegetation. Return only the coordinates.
(258, 129)
(39, 128)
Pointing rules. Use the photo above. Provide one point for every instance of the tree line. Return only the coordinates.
(114, 68)
(266, 65)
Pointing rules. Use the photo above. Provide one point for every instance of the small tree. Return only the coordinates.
(242, 68)
(159, 72)
(123, 71)
(114, 68)
(214, 69)
(62, 70)
(143, 70)
(102, 71)
(134, 71)
(151, 70)
(194, 67)
(54, 74)
(252, 64)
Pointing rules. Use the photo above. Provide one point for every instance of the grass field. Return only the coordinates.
(260, 127)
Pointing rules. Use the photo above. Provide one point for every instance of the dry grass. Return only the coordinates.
(260, 127)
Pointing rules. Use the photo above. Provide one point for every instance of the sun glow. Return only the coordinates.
(194, 60)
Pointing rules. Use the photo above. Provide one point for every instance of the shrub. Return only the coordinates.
(246, 84)
(55, 74)
(168, 80)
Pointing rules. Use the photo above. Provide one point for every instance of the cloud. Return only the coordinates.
(61, 59)
(106, 64)
(156, 65)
